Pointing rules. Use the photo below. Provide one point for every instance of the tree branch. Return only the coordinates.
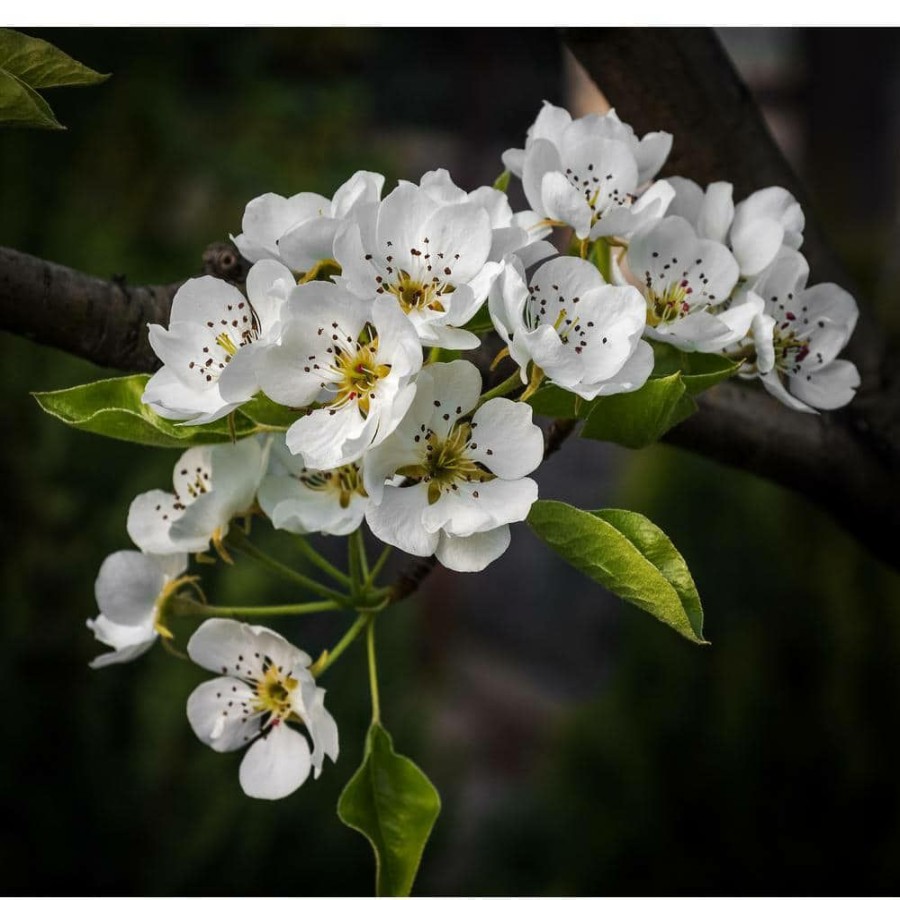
(101, 321)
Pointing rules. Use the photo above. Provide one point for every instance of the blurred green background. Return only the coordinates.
(579, 746)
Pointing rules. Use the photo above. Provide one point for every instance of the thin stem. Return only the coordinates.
(373, 671)
(502, 389)
(603, 259)
(242, 545)
(319, 561)
(353, 563)
(357, 536)
(379, 564)
(349, 637)
(189, 607)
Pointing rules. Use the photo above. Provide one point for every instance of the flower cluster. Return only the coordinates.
(353, 319)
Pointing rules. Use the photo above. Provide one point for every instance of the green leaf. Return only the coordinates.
(502, 182)
(699, 371)
(20, 105)
(558, 403)
(28, 64)
(391, 802)
(641, 417)
(272, 415)
(113, 408)
(629, 555)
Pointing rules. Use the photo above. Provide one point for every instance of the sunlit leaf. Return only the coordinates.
(629, 555)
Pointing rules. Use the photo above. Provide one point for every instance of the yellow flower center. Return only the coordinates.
(358, 375)
(412, 293)
(344, 481)
(446, 463)
(273, 692)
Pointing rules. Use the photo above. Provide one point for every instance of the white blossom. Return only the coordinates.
(591, 173)
(800, 335)
(299, 231)
(264, 688)
(213, 484)
(431, 258)
(584, 334)
(520, 233)
(305, 500)
(354, 358)
(457, 477)
(685, 280)
(129, 589)
(210, 347)
(754, 230)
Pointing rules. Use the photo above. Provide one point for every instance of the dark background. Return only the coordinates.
(579, 746)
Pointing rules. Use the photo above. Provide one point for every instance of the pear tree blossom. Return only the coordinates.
(431, 257)
(462, 471)
(211, 344)
(264, 688)
(684, 279)
(591, 173)
(803, 331)
(130, 589)
(355, 359)
(213, 485)
(520, 233)
(299, 231)
(754, 230)
(306, 501)
(582, 333)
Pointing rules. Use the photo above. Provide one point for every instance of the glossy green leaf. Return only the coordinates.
(699, 371)
(113, 408)
(641, 417)
(502, 182)
(391, 802)
(28, 64)
(629, 555)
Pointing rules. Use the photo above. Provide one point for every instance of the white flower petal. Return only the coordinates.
(564, 203)
(128, 641)
(540, 158)
(309, 242)
(755, 243)
(222, 713)
(475, 507)
(397, 520)
(473, 553)
(361, 187)
(830, 387)
(150, 517)
(127, 587)
(276, 764)
(508, 442)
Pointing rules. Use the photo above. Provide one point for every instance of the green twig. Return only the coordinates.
(328, 659)
(363, 557)
(239, 543)
(379, 564)
(502, 389)
(186, 606)
(373, 671)
(319, 561)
